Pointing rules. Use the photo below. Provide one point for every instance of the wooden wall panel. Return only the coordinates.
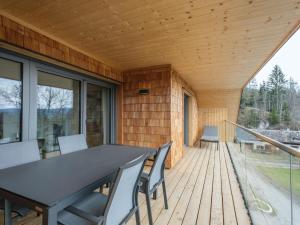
(21, 36)
(213, 117)
(215, 106)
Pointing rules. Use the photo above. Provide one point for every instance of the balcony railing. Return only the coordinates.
(269, 175)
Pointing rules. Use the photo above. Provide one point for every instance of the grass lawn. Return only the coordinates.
(281, 176)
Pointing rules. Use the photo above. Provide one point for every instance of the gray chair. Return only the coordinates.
(14, 154)
(73, 143)
(210, 134)
(115, 209)
(150, 182)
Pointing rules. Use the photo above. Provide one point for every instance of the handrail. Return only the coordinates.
(286, 148)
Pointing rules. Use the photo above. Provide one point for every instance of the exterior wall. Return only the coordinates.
(146, 118)
(178, 88)
(215, 106)
(21, 36)
(151, 120)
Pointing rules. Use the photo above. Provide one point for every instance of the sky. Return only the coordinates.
(288, 58)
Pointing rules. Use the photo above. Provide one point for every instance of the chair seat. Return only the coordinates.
(21, 211)
(93, 204)
(209, 138)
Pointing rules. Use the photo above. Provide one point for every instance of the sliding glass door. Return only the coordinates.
(97, 115)
(43, 102)
(58, 109)
(10, 101)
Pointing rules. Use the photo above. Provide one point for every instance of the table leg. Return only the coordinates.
(49, 217)
(7, 213)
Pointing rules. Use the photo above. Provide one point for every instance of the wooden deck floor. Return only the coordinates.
(202, 190)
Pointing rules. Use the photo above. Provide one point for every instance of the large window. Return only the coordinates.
(43, 102)
(58, 109)
(10, 101)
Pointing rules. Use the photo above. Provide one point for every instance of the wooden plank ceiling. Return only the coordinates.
(212, 44)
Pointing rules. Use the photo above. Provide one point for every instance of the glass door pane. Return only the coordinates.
(96, 115)
(10, 101)
(58, 109)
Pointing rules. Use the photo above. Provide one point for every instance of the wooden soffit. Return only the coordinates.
(212, 44)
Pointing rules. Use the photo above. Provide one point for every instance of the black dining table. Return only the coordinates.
(50, 185)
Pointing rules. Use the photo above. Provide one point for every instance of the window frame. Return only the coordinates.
(24, 112)
(29, 75)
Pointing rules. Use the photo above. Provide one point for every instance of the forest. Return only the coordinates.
(272, 104)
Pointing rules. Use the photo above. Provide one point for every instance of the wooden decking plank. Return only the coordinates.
(181, 207)
(190, 217)
(240, 210)
(228, 204)
(171, 175)
(165, 215)
(216, 214)
(158, 204)
(203, 217)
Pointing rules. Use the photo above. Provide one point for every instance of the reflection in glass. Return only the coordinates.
(58, 109)
(10, 101)
(96, 115)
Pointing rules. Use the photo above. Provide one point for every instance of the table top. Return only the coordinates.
(51, 180)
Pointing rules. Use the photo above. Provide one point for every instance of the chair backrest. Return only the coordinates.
(73, 143)
(211, 131)
(18, 153)
(243, 135)
(123, 197)
(156, 172)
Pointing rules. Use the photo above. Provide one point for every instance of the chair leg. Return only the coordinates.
(149, 208)
(200, 144)
(101, 189)
(165, 194)
(137, 216)
(155, 195)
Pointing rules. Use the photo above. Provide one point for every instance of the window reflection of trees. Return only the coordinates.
(10, 110)
(55, 113)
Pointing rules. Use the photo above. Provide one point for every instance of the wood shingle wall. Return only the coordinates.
(146, 118)
(215, 106)
(151, 120)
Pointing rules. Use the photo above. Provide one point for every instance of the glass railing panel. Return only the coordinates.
(268, 170)
(264, 172)
(295, 187)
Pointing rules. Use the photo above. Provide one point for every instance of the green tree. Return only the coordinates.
(277, 85)
(273, 118)
(286, 113)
